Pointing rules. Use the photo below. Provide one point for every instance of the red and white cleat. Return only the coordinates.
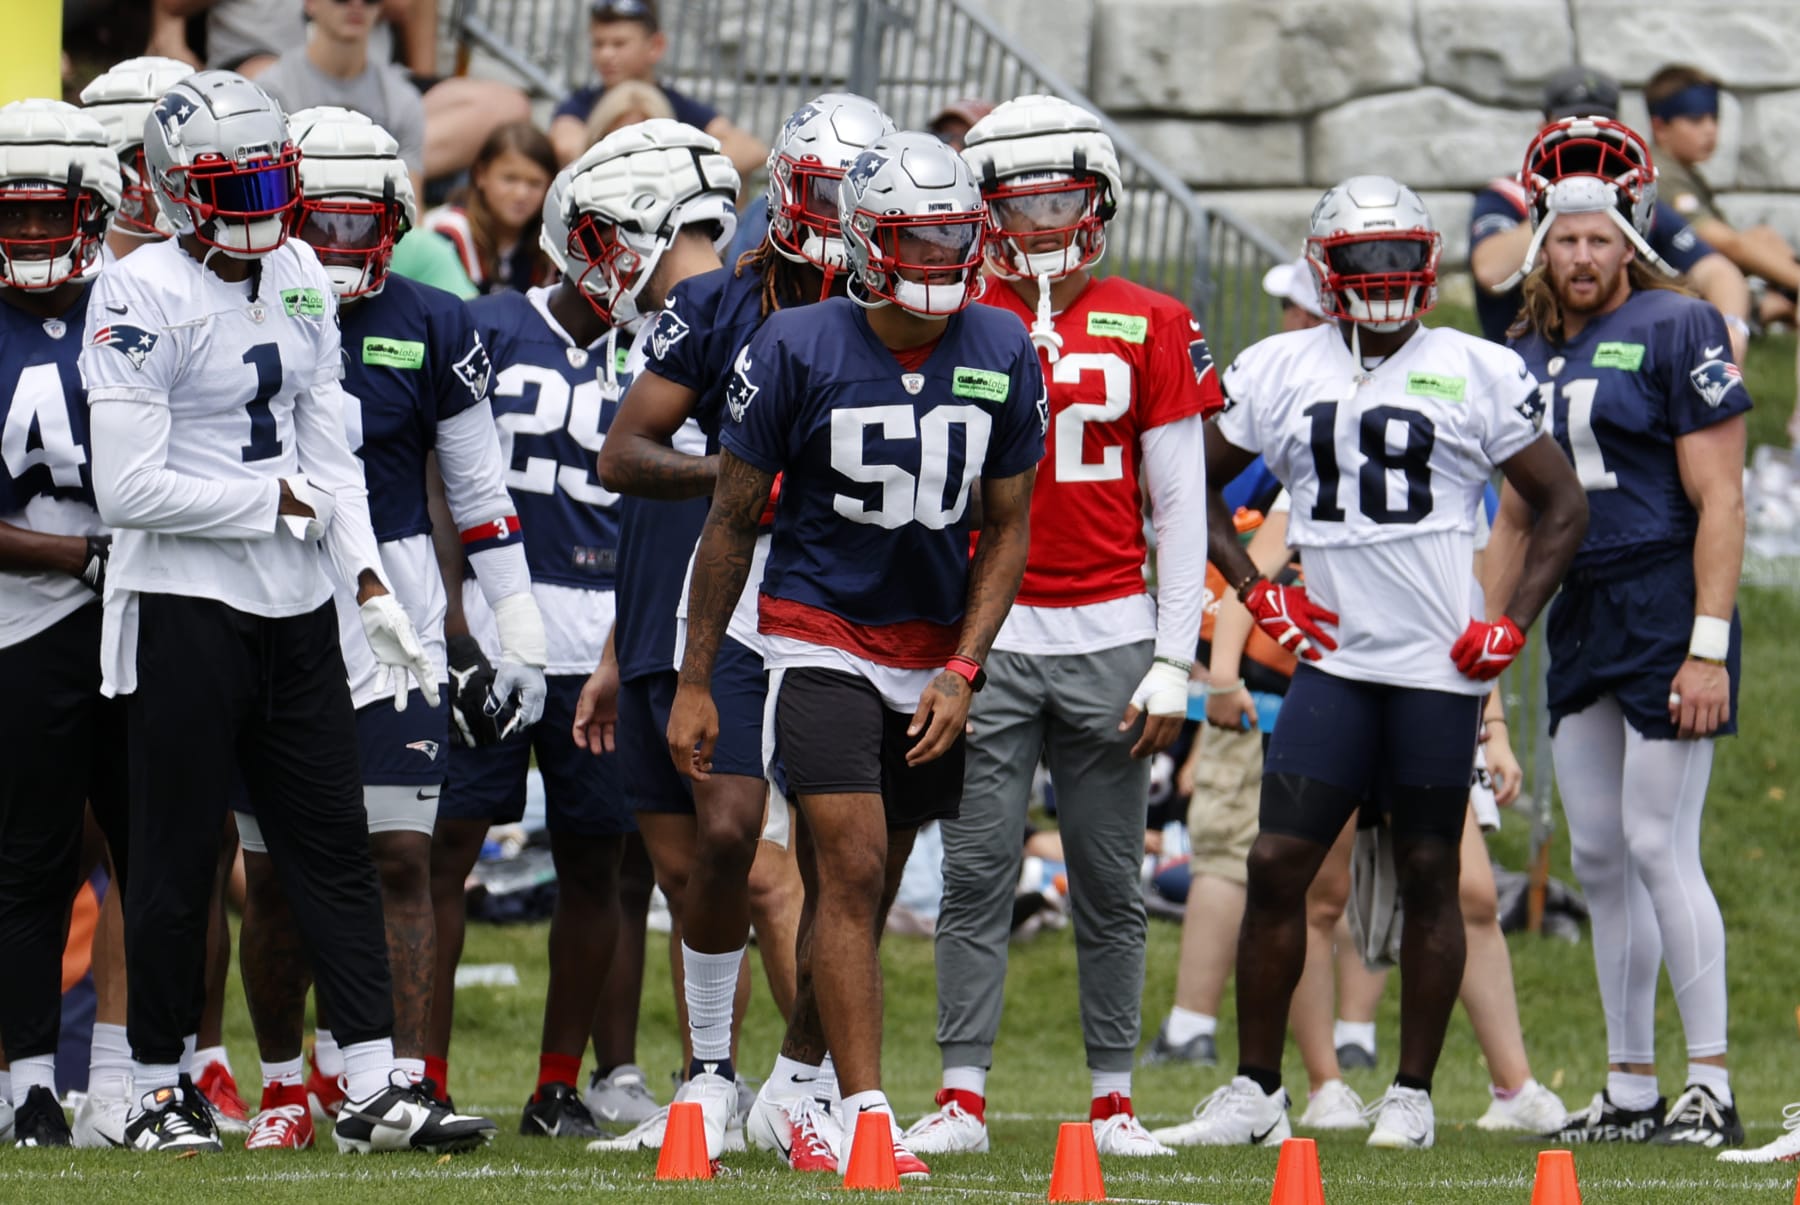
(284, 1123)
(816, 1137)
(221, 1091)
(324, 1093)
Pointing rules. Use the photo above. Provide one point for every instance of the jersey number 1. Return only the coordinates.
(1412, 461)
(265, 442)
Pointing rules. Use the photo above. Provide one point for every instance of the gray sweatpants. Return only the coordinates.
(1067, 707)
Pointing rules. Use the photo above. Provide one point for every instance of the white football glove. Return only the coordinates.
(322, 502)
(523, 653)
(398, 654)
(1164, 690)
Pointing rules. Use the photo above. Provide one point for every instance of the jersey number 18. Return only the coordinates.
(1412, 460)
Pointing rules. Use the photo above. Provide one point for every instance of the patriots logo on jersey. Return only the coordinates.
(864, 169)
(1715, 378)
(428, 748)
(668, 331)
(133, 342)
(474, 369)
(1201, 355)
(1531, 406)
(1043, 411)
(740, 393)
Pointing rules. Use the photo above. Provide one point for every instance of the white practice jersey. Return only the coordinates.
(576, 624)
(252, 394)
(1386, 469)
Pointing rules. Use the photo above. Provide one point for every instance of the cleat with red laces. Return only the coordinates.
(324, 1093)
(816, 1137)
(221, 1092)
(284, 1123)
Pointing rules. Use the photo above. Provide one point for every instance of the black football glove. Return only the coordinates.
(471, 682)
(93, 565)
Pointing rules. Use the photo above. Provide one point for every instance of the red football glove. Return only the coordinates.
(1484, 650)
(1289, 618)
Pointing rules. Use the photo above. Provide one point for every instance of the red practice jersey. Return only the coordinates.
(1131, 359)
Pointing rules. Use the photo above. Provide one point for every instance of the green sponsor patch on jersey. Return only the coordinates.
(307, 303)
(980, 384)
(393, 353)
(1430, 384)
(1626, 356)
(1130, 327)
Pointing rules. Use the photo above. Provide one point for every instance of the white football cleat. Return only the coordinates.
(1533, 1109)
(1238, 1114)
(646, 1135)
(1336, 1106)
(1785, 1149)
(402, 1117)
(1123, 1134)
(771, 1122)
(907, 1164)
(620, 1099)
(950, 1130)
(100, 1120)
(717, 1098)
(1404, 1120)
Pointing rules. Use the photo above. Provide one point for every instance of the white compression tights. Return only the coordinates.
(1634, 825)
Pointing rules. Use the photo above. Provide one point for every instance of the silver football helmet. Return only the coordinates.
(222, 163)
(121, 98)
(356, 196)
(1050, 176)
(1374, 253)
(59, 185)
(912, 215)
(610, 216)
(806, 165)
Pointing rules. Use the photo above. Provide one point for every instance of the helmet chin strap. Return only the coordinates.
(1043, 331)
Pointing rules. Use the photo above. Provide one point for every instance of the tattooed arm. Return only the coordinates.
(639, 457)
(721, 567)
(994, 578)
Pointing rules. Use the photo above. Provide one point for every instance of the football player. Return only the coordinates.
(1090, 668)
(1647, 403)
(1385, 432)
(120, 98)
(419, 374)
(609, 219)
(663, 455)
(59, 185)
(883, 409)
(212, 366)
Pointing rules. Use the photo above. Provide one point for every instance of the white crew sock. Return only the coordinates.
(1184, 1025)
(414, 1068)
(855, 1105)
(964, 1079)
(188, 1045)
(1108, 1082)
(326, 1055)
(38, 1071)
(828, 1085)
(1716, 1079)
(109, 1062)
(148, 1077)
(1359, 1033)
(792, 1078)
(286, 1074)
(1630, 1091)
(711, 986)
(366, 1067)
(206, 1057)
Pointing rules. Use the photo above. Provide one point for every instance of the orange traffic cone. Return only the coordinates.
(1297, 1179)
(1555, 1184)
(872, 1155)
(1075, 1176)
(683, 1155)
(1797, 1192)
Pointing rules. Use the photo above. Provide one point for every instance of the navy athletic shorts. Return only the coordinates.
(739, 688)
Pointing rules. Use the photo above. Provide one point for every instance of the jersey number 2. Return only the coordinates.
(265, 442)
(1412, 460)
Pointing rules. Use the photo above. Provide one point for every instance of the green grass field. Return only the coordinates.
(1039, 1079)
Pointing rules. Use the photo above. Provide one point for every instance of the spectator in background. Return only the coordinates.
(494, 225)
(952, 122)
(627, 42)
(1500, 231)
(1293, 285)
(624, 105)
(334, 67)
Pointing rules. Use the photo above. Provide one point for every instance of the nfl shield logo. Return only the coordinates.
(578, 357)
(258, 312)
(55, 328)
(912, 382)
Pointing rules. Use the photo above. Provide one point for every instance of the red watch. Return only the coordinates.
(968, 669)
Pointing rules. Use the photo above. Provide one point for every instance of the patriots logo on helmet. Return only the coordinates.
(863, 170)
(669, 330)
(741, 392)
(800, 117)
(171, 112)
(133, 342)
(473, 369)
(1714, 379)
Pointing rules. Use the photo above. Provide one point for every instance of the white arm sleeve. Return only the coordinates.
(133, 487)
(468, 451)
(325, 457)
(1175, 463)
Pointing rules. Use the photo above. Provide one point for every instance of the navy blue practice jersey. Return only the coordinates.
(553, 401)
(1619, 394)
(871, 540)
(691, 343)
(412, 359)
(44, 440)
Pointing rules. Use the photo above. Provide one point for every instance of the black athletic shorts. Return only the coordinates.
(835, 736)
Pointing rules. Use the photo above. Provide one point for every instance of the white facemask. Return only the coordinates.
(234, 238)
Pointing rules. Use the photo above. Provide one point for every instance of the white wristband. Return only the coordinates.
(1711, 640)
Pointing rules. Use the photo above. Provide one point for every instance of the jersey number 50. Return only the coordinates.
(904, 498)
